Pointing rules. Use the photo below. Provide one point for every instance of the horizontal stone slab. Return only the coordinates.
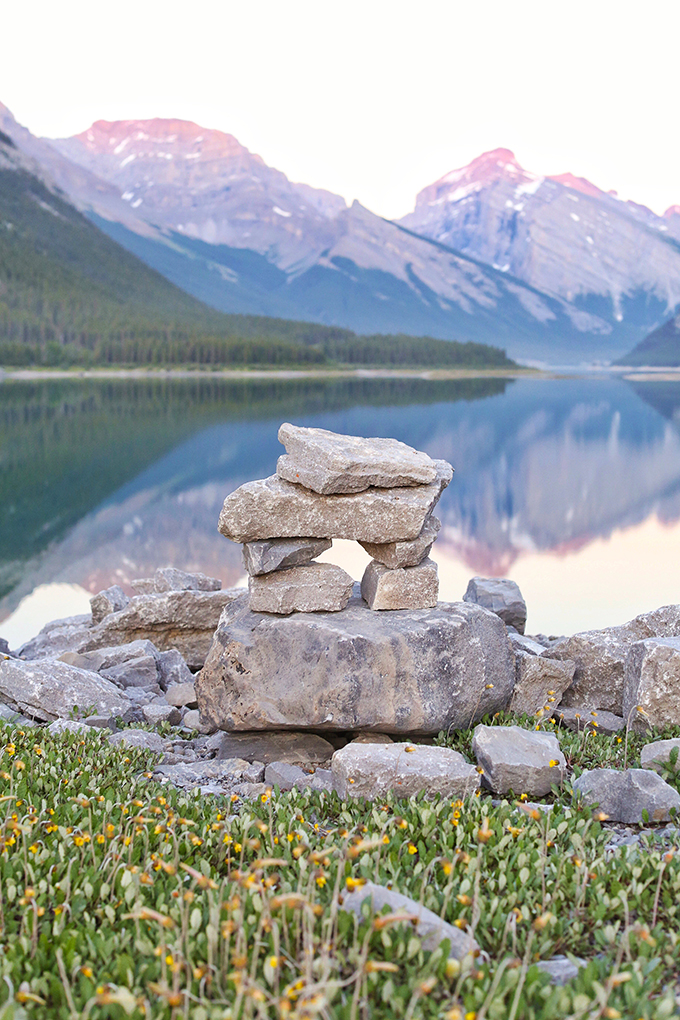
(313, 588)
(278, 553)
(405, 554)
(273, 508)
(328, 462)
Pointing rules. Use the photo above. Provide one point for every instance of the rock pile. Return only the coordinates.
(378, 492)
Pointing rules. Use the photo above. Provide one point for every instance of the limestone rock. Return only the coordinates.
(561, 968)
(403, 588)
(111, 600)
(286, 776)
(137, 738)
(414, 671)
(5, 649)
(657, 754)
(48, 689)
(623, 796)
(225, 774)
(185, 620)
(405, 554)
(181, 695)
(172, 579)
(143, 585)
(61, 726)
(518, 760)
(539, 684)
(316, 587)
(57, 637)
(502, 596)
(372, 770)
(579, 719)
(293, 748)
(277, 553)
(327, 462)
(600, 657)
(159, 712)
(273, 508)
(429, 927)
(173, 670)
(525, 644)
(652, 682)
(372, 738)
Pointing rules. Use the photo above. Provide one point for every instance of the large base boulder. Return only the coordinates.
(411, 671)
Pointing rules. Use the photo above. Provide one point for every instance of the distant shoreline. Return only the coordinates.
(32, 374)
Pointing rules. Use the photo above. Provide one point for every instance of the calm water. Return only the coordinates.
(571, 486)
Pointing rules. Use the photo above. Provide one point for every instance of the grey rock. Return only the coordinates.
(5, 649)
(180, 695)
(10, 715)
(657, 754)
(316, 587)
(278, 553)
(137, 738)
(273, 508)
(171, 579)
(519, 760)
(286, 776)
(160, 712)
(58, 636)
(251, 791)
(48, 689)
(101, 722)
(414, 671)
(192, 720)
(322, 780)
(600, 657)
(651, 682)
(172, 669)
(185, 620)
(143, 585)
(579, 719)
(561, 968)
(327, 462)
(111, 600)
(623, 796)
(502, 596)
(403, 588)
(142, 695)
(539, 683)
(405, 554)
(372, 738)
(429, 927)
(188, 776)
(373, 770)
(285, 746)
(525, 644)
(61, 726)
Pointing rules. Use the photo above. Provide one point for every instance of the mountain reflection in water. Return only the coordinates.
(570, 485)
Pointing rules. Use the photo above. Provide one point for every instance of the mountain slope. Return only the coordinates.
(660, 349)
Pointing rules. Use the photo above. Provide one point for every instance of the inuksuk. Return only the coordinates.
(378, 492)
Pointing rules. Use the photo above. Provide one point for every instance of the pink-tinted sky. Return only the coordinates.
(372, 99)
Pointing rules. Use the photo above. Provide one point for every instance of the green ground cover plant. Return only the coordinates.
(120, 897)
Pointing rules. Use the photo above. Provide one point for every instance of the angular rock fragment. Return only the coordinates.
(539, 684)
(651, 682)
(273, 508)
(286, 776)
(657, 755)
(403, 588)
(172, 669)
(181, 695)
(285, 746)
(519, 760)
(579, 719)
(277, 553)
(373, 770)
(405, 554)
(137, 738)
(525, 644)
(372, 738)
(111, 600)
(429, 927)
(415, 671)
(316, 587)
(143, 585)
(160, 712)
(624, 796)
(48, 689)
(600, 657)
(226, 773)
(61, 726)
(502, 596)
(327, 462)
(172, 579)
(561, 968)
(58, 636)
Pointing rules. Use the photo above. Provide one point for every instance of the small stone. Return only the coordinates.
(285, 776)
(372, 738)
(285, 746)
(137, 738)
(502, 596)
(180, 695)
(405, 554)
(373, 770)
(404, 588)
(171, 579)
(327, 462)
(101, 722)
(657, 755)
(561, 968)
(651, 682)
(189, 775)
(278, 553)
(429, 927)
(192, 720)
(111, 600)
(522, 643)
(539, 684)
(519, 760)
(160, 712)
(172, 669)
(623, 796)
(580, 718)
(316, 587)
(61, 726)
(322, 780)
(252, 791)
(143, 585)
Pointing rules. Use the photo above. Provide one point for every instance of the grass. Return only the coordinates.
(119, 897)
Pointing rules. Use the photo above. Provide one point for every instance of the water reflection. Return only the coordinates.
(560, 483)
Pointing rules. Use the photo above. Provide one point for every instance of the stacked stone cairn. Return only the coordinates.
(378, 492)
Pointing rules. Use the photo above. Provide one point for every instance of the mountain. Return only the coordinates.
(660, 349)
(216, 220)
(616, 263)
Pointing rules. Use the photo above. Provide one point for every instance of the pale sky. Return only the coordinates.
(372, 99)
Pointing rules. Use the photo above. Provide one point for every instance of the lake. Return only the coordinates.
(571, 486)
